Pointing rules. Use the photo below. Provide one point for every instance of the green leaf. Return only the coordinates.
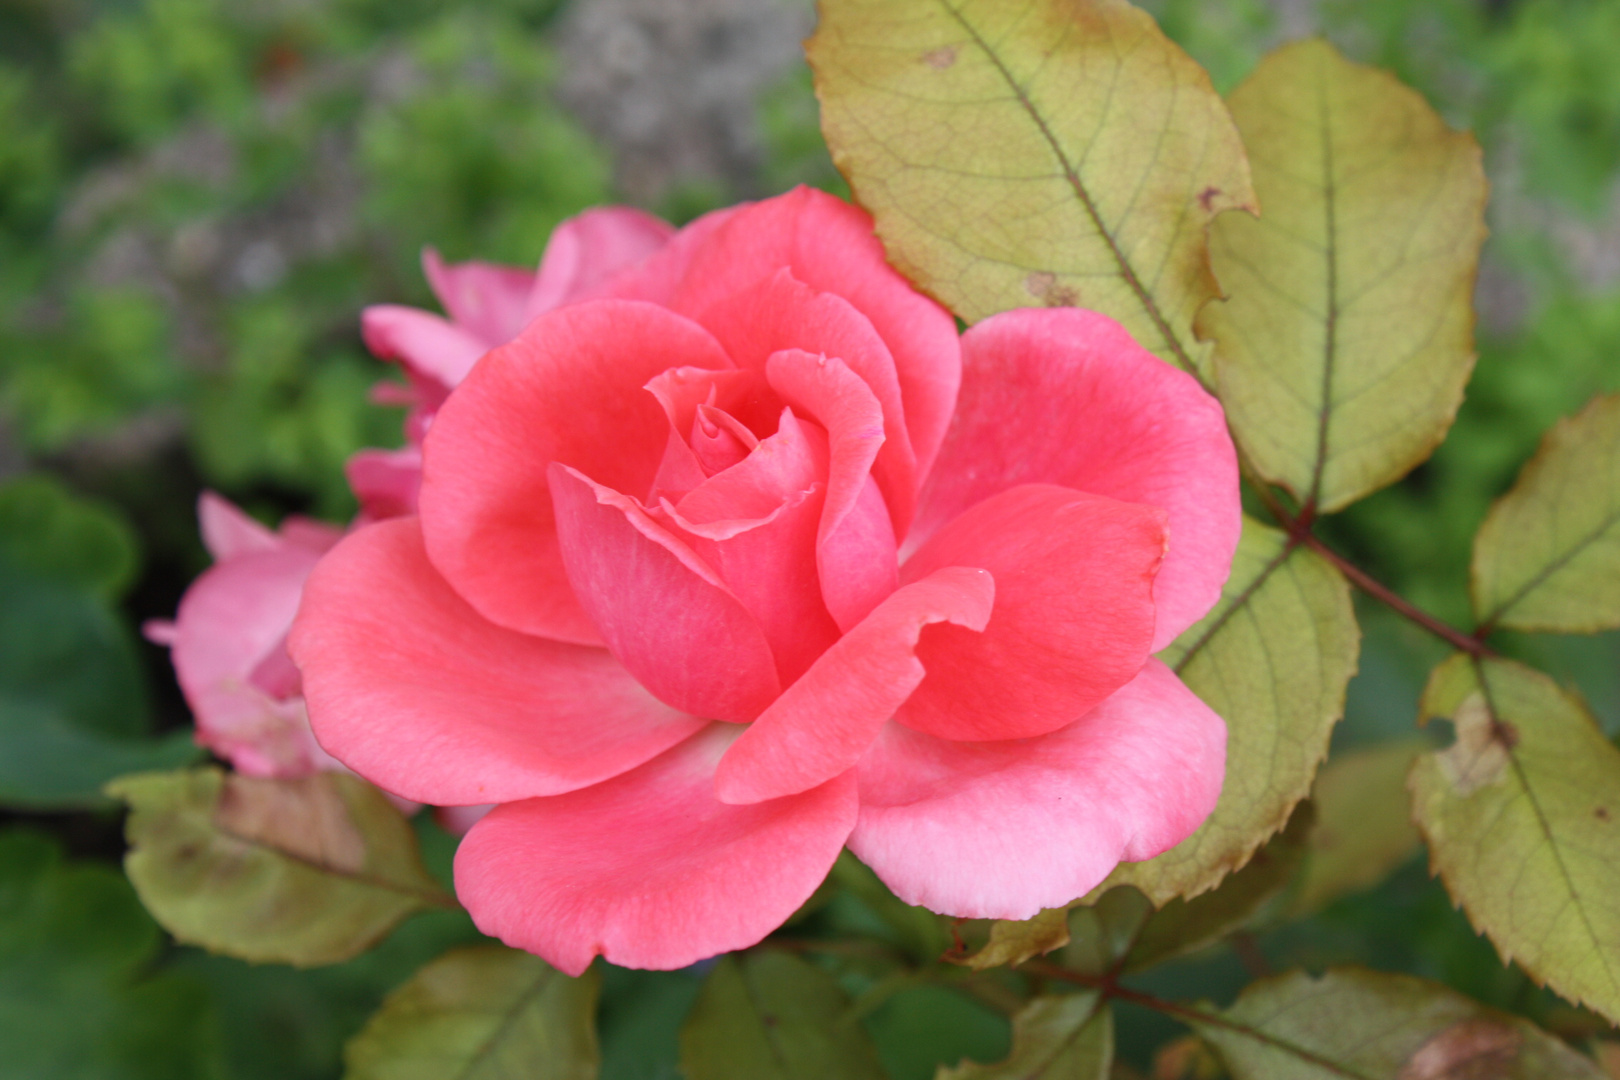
(49, 530)
(47, 762)
(1371, 1026)
(304, 872)
(916, 929)
(1343, 350)
(78, 997)
(1103, 932)
(771, 1016)
(1024, 152)
(1067, 1037)
(1185, 926)
(1363, 825)
(1273, 658)
(482, 1013)
(1522, 818)
(1014, 941)
(1548, 555)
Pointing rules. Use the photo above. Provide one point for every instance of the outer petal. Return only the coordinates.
(824, 722)
(658, 277)
(484, 299)
(1002, 830)
(1062, 396)
(431, 348)
(650, 870)
(568, 389)
(855, 554)
(830, 246)
(665, 614)
(587, 250)
(412, 689)
(227, 532)
(1073, 618)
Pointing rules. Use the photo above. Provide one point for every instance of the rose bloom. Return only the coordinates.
(743, 555)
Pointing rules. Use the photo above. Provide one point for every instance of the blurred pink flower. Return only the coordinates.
(750, 557)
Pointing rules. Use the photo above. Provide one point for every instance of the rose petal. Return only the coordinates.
(830, 246)
(587, 250)
(1064, 396)
(783, 313)
(387, 482)
(650, 870)
(657, 277)
(431, 348)
(824, 722)
(227, 532)
(412, 689)
(1073, 617)
(570, 388)
(857, 569)
(484, 299)
(1001, 830)
(663, 613)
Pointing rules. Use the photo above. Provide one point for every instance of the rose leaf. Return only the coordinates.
(482, 1012)
(1372, 1026)
(1012, 941)
(1273, 659)
(771, 1016)
(1062, 1037)
(1363, 828)
(1522, 817)
(1342, 351)
(305, 872)
(1548, 555)
(1017, 153)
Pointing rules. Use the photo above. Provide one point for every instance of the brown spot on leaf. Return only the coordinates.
(1044, 287)
(1480, 755)
(1207, 197)
(1039, 284)
(941, 58)
(305, 818)
(1478, 1049)
(1062, 296)
(1601, 813)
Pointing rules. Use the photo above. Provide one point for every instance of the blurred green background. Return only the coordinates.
(198, 196)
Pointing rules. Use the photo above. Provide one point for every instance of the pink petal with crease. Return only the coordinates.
(650, 870)
(1001, 830)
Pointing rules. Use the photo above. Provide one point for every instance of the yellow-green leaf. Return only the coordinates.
(1522, 817)
(1548, 555)
(1102, 932)
(1273, 659)
(1068, 1037)
(1348, 335)
(1363, 825)
(482, 1013)
(305, 872)
(770, 1016)
(1014, 941)
(1370, 1026)
(1017, 153)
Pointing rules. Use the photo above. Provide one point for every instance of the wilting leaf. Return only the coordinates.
(1068, 1037)
(1185, 926)
(1014, 941)
(771, 1016)
(482, 1013)
(1522, 817)
(1348, 334)
(1026, 152)
(1363, 827)
(304, 872)
(1372, 1026)
(78, 997)
(1273, 659)
(1548, 555)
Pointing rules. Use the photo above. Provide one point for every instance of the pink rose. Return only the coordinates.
(753, 557)
(229, 641)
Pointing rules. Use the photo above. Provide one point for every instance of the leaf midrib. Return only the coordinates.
(508, 1018)
(1330, 320)
(1552, 567)
(1126, 271)
(382, 884)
